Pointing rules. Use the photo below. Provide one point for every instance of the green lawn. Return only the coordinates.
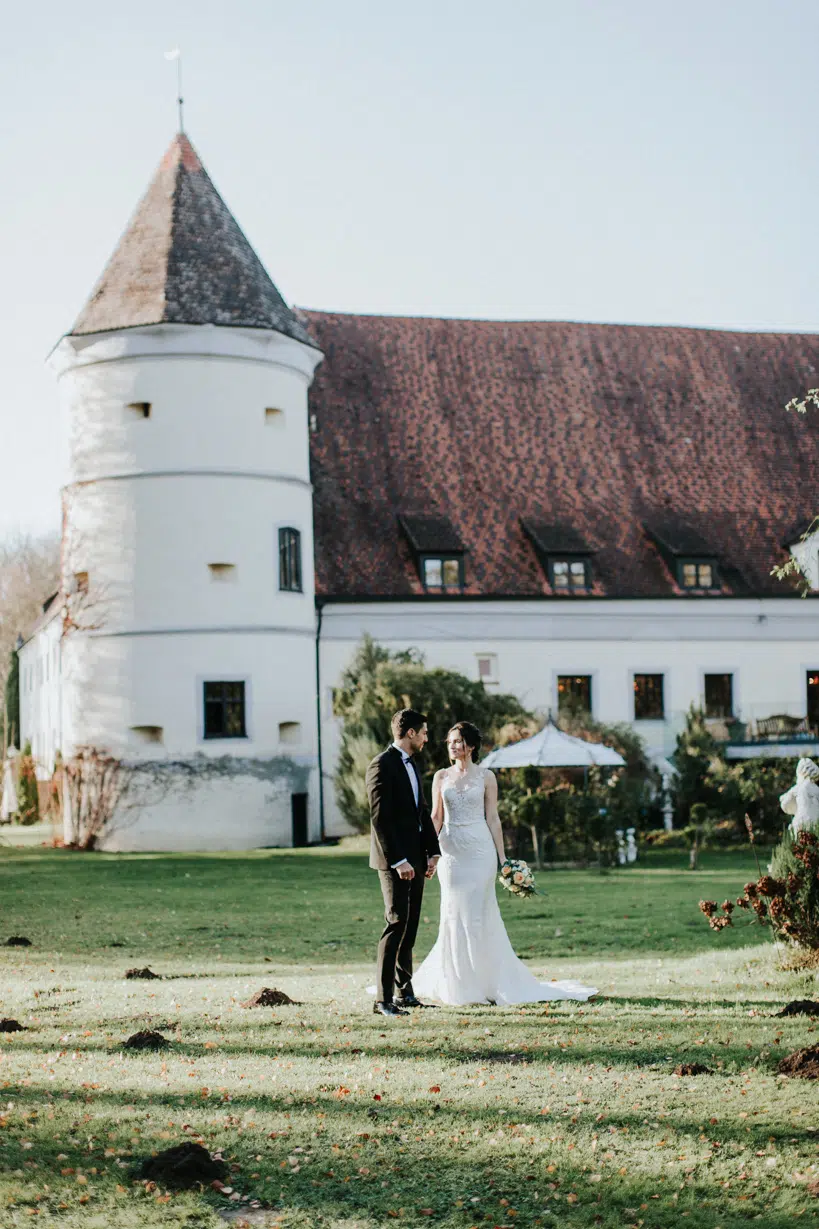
(330, 1117)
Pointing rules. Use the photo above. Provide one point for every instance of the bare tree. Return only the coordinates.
(29, 573)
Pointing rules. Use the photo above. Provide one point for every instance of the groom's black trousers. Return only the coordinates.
(402, 913)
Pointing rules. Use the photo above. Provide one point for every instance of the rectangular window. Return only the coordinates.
(649, 704)
(224, 710)
(719, 695)
(574, 693)
(813, 699)
(698, 574)
(443, 573)
(290, 560)
(568, 575)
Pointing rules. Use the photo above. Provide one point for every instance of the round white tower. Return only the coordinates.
(189, 628)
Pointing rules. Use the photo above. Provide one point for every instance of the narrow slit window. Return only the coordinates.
(290, 733)
(80, 582)
(139, 409)
(222, 573)
(147, 733)
(290, 560)
(273, 416)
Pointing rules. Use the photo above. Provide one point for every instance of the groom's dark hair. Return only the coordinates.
(406, 719)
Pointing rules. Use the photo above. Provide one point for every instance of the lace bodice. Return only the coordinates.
(464, 804)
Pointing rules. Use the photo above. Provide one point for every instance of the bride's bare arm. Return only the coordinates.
(437, 800)
(491, 812)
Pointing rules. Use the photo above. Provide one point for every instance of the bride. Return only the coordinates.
(472, 960)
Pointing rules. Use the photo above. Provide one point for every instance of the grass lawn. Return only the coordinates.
(332, 1117)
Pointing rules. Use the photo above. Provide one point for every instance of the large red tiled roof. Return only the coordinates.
(608, 429)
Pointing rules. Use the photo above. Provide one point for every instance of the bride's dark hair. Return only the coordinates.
(471, 736)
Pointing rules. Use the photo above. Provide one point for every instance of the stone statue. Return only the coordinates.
(802, 800)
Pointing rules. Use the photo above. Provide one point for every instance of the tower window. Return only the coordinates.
(649, 702)
(719, 698)
(290, 733)
(568, 575)
(290, 560)
(223, 573)
(224, 710)
(139, 409)
(147, 733)
(574, 693)
(273, 416)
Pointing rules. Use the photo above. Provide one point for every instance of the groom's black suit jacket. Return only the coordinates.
(398, 827)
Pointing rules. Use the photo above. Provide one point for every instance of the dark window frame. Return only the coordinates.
(712, 706)
(290, 569)
(655, 714)
(569, 559)
(812, 694)
(215, 703)
(442, 557)
(698, 561)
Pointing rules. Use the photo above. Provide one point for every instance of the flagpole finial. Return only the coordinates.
(177, 56)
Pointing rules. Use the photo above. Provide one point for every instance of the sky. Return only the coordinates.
(632, 161)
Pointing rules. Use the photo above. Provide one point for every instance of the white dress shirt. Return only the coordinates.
(414, 783)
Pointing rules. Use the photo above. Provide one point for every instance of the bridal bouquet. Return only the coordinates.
(517, 878)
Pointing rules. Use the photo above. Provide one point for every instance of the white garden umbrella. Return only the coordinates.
(551, 748)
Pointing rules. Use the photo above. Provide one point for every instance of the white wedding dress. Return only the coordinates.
(472, 960)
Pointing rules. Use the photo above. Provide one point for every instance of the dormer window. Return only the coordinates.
(698, 574)
(563, 552)
(443, 573)
(438, 552)
(568, 575)
(687, 555)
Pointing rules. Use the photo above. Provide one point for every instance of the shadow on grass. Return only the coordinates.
(329, 1184)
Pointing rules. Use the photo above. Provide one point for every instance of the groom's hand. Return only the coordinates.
(404, 870)
(431, 864)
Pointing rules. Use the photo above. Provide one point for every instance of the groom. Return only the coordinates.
(404, 850)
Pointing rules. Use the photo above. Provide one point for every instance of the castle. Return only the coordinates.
(564, 511)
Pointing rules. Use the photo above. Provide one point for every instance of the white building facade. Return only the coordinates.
(238, 517)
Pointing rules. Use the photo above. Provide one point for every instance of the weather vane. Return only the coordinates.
(177, 55)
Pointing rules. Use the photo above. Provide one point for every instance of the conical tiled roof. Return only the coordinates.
(184, 260)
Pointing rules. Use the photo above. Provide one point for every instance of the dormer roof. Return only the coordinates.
(183, 259)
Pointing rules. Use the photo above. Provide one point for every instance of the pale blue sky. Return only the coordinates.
(618, 160)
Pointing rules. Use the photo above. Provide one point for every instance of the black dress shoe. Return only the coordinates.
(388, 1009)
(409, 1000)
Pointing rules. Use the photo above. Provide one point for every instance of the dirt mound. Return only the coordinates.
(270, 998)
(18, 941)
(693, 1069)
(804, 1063)
(799, 1007)
(145, 974)
(182, 1167)
(146, 1039)
(8, 1025)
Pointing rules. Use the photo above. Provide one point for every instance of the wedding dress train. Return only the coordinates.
(472, 960)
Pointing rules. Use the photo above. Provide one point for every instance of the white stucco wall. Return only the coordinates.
(767, 645)
(41, 720)
(208, 477)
